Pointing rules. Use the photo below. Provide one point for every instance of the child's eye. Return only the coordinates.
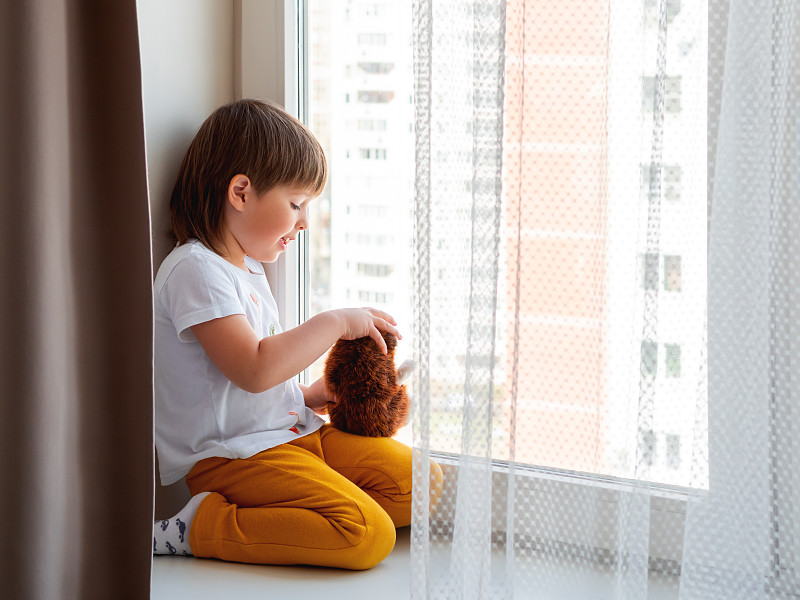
(294, 206)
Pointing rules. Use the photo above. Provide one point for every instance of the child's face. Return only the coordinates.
(268, 222)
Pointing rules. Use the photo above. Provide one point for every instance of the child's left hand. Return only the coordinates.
(317, 397)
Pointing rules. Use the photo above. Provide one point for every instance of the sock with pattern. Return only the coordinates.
(171, 536)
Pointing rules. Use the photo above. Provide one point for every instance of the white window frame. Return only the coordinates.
(268, 37)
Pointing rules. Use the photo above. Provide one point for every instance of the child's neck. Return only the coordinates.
(231, 251)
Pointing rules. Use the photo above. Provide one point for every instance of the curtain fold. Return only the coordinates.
(736, 538)
(606, 299)
(76, 324)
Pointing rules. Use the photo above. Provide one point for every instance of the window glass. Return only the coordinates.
(359, 67)
(360, 105)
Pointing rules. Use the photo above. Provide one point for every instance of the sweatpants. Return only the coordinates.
(329, 499)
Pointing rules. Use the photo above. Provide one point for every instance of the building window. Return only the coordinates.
(372, 211)
(672, 94)
(375, 96)
(372, 39)
(376, 68)
(374, 297)
(672, 360)
(372, 153)
(672, 182)
(647, 447)
(372, 124)
(649, 360)
(672, 273)
(649, 274)
(670, 175)
(374, 270)
(372, 9)
(367, 239)
(673, 451)
(651, 11)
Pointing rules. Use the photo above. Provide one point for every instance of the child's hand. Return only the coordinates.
(363, 322)
(317, 397)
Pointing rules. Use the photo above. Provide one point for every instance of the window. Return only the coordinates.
(371, 125)
(376, 68)
(375, 96)
(673, 451)
(651, 11)
(366, 207)
(372, 153)
(672, 273)
(374, 298)
(647, 447)
(375, 270)
(670, 184)
(672, 360)
(358, 79)
(649, 362)
(366, 239)
(371, 39)
(672, 94)
(372, 211)
(372, 9)
(347, 221)
(649, 272)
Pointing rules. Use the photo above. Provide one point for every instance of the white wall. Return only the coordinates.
(187, 50)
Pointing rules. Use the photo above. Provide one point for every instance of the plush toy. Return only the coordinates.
(370, 399)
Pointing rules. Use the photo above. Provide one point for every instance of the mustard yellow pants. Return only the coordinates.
(329, 499)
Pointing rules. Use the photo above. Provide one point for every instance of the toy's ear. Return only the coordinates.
(391, 341)
(404, 371)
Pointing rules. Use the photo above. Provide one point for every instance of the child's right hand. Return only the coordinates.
(363, 322)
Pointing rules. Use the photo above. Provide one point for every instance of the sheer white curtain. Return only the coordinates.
(606, 277)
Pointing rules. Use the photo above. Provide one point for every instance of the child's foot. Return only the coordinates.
(171, 536)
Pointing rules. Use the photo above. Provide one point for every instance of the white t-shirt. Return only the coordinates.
(198, 412)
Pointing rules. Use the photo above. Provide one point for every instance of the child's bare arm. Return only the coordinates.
(256, 364)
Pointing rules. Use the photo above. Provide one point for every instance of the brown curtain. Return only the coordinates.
(76, 458)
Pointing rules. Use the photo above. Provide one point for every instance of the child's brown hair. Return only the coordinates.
(247, 137)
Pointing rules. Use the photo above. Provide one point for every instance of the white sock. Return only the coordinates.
(171, 536)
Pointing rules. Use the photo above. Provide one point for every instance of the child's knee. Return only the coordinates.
(378, 541)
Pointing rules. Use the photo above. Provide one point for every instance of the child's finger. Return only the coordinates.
(376, 335)
(384, 325)
(383, 315)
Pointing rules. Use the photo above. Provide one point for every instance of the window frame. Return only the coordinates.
(269, 65)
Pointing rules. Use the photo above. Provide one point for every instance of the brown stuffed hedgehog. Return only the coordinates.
(370, 399)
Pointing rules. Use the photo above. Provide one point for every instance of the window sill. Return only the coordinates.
(200, 579)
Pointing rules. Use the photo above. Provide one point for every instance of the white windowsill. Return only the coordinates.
(176, 578)
(179, 578)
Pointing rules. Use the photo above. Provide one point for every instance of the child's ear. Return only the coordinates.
(238, 188)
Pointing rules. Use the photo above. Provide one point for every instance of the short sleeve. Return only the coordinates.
(199, 290)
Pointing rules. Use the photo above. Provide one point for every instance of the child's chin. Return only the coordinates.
(268, 257)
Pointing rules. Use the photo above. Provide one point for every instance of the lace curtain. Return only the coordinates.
(606, 259)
